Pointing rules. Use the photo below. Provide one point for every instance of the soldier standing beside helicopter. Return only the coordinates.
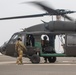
(19, 47)
(44, 42)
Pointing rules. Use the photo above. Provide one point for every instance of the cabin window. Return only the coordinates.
(71, 39)
(30, 40)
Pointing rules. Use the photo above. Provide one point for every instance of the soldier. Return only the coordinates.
(19, 47)
(44, 42)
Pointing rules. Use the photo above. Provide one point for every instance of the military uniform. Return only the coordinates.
(44, 42)
(19, 47)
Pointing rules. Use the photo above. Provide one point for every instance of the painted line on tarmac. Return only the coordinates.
(47, 64)
(30, 64)
(65, 61)
(7, 62)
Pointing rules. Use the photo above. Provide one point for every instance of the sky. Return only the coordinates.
(9, 8)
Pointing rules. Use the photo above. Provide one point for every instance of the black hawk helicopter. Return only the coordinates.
(52, 28)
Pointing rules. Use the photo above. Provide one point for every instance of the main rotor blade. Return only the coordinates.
(46, 8)
(67, 17)
(28, 16)
(51, 10)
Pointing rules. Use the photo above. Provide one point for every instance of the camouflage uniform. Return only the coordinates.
(19, 46)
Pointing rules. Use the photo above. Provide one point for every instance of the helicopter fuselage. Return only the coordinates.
(51, 29)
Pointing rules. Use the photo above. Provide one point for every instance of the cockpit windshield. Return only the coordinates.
(14, 36)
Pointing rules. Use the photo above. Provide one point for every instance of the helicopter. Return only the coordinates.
(52, 28)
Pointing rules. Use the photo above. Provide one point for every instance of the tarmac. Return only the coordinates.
(63, 66)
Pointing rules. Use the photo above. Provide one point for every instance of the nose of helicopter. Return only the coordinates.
(2, 50)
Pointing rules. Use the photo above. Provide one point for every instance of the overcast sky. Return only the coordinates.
(10, 8)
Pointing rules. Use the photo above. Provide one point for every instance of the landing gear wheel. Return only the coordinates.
(51, 59)
(35, 58)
